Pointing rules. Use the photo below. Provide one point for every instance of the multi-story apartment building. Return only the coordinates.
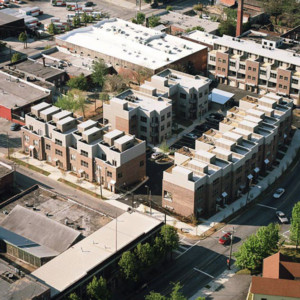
(189, 94)
(226, 161)
(256, 67)
(113, 158)
(146, 115)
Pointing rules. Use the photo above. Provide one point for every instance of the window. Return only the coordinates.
(249, 77)
(168, 196)
(143, 128)
(253, 78)
(168, 124)
(109, 174)
(143, 119)
(73, 157)
(84, 153)
(285, 87)
(262, 72)
(58, 152)
(219, 68)
(35, 142)
(200, 95)
(254, 69)
(280, 77)
(141, 163)
(219, 60)
(114, 162)
(249, 68)
(242, 67)
(48, 147)
(206, 92)
(26, 138)
(280, 86)
(223, 69)
(162, 128)
(232, 64)
(162, 118)
(120, 175)
(58, 142)
(103, 156)
(212, 58)
(224, 61)
(84, 164)
(273, 75)
(286, 78)
(295, 81)
(182, 96)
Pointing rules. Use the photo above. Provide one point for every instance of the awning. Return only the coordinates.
(224, 194)
(266, 161)
(250, 176)
(112, 181)
(31, 147)
(220, 96)
(221, 75)
(256, 170)
(250, 84)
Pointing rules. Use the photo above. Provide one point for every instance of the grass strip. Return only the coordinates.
(29, 166)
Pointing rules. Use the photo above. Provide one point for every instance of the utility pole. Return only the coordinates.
(230, 252)
(100, 181)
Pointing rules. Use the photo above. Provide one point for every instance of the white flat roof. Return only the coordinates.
(255, 112)
(41, 105)
(225, 141)
(222, 151)
(62, 114)
(124, 139)
(220, 96)
(50, 110)
(86, 124)
(202, 37)
(91, 130)
(267, 100)
(113, 133)
(181, 170)
(73, 264)
(197, 163)
(205, 154)
(65, 120)
(253, 119)
(230, 134)
(248, 123)
(255, 48)
(131, 42)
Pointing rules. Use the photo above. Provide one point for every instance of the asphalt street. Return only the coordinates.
(198, 262)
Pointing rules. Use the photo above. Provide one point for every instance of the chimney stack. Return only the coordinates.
(239, 23)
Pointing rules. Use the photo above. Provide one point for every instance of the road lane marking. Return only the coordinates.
(177, 252)
(188, 249)
(267, 206)
(203, 273)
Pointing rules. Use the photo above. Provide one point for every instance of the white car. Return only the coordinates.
(282, 217)
(190, 136)
(157, 155)
(279, 192)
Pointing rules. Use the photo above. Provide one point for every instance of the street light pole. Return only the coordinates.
(230, 253)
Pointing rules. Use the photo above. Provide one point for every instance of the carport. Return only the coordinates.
(219, 99)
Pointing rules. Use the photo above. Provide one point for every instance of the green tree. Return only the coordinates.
(115, 83)
(227, 27)
(155, 296)
(15, 57)
(169, 8)
(295, 223)
(170, 238)
(73, 296)
(164, 147)
(153, 21)
(231, 14)
(159, 247)
(99, 72)
(141, 74)
(195, 28)
(97, 289)
(176, 294)
(145, 255)
(128, 266)
(84, 18)
(23, 38)
(76, 21)
(66, 102)
(200, 298)
(79, 100)
(79, 82)
(140, 18)
(2, 45)
(258, 246)
(52, 29)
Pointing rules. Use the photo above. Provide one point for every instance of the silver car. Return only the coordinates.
(279, 192)
(282, 217)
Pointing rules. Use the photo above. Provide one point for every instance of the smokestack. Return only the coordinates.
(239, 23)
(44, 64)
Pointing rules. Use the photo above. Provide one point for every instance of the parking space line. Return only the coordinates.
(178, 252)
(182, 247)
(203, 273)
(266, 206)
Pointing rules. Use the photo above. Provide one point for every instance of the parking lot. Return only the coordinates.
(189, 139)
(8, 138)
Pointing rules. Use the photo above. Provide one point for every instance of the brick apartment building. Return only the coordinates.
(259, 68)
(85, 148)
(148, 113)
(226, 161)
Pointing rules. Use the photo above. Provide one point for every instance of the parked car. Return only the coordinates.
(154, 5)
(225, 239)
(190, 136)
(202, 128)
(212, 119)
(217, 116)
(89, 4)
(279, 192)
(282, 217)
(14, 126)
(157, 155)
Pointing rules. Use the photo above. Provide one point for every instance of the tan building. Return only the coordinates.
(145, 114)
(85, 148)
(226, 161)
(259, 68)
(280, 280)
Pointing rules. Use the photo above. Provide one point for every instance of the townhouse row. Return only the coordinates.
(255, 67)
(148, 113)
(112, 158)
(226, 162)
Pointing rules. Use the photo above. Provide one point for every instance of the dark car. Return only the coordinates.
(212, 119)
(217, 116)
(225, 239)
(202, 128)
(89, 4)
(154, 5)
(14, 126)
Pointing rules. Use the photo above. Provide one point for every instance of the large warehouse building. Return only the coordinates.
(10, 25)
(126, 45)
